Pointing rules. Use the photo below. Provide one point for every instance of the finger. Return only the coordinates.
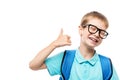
(61, 32)
(69, 40)
(68, 43)
(67, 36)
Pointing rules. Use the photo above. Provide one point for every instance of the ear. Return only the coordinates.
(80, 28)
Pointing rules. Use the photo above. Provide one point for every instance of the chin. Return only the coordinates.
(92, 46)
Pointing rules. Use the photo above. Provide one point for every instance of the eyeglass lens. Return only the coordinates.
(93, 29)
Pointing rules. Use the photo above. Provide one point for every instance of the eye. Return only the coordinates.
(103, 33)
(93, 28)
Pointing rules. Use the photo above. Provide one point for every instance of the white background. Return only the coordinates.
(27, 26)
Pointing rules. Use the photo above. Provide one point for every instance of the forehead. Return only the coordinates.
(97, 22)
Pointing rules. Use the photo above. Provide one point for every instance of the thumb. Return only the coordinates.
(61, 32)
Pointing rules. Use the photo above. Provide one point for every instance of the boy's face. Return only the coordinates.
(89, 38)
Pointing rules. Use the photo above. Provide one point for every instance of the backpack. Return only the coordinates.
(68, 59)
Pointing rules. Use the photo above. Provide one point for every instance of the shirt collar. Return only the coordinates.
(81, 59)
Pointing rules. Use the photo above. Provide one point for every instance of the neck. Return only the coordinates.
(87, 53)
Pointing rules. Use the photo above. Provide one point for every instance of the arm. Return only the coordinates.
(38, 61)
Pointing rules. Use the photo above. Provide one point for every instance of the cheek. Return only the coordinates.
(81, 33)
(99, 42)
(86, 34)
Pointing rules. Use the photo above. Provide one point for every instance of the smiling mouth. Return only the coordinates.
(93, 39)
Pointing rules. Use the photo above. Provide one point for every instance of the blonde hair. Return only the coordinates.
(94, 14)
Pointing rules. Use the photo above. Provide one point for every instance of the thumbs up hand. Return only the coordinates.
(62, 40)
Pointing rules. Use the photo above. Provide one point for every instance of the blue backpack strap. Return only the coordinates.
(106, 65)
(66, 65)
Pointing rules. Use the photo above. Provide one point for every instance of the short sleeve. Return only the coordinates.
(54, 63)
(114, 76)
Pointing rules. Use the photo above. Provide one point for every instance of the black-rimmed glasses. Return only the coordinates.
(93, 29)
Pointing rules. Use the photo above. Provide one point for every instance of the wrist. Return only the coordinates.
(54, 44)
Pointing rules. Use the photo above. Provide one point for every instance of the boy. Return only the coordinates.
(86, 64)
